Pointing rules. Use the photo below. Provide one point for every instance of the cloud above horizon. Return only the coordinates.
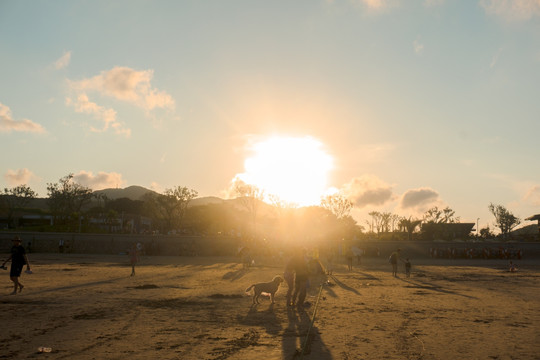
(8, 124)
(63, 61)
(418, 47)
(367, 190)
(102, 180)
(122, 84)
(126, 84)
(19, 176)
(419, 198)
(533, 195)
(107, 116)
(512, 10)
(374, 4)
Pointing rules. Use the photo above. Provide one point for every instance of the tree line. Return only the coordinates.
(76, 208)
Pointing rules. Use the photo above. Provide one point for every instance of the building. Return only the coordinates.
(537, 218)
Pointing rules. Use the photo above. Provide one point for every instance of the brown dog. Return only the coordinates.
(268, 287)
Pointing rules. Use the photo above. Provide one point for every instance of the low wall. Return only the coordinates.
(115, 244)
(172, 245)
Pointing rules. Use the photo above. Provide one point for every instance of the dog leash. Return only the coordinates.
(312, 321)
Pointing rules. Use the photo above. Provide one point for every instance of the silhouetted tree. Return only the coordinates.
(16, 198)
(67, 198)
(170, 207)
(440, 216)
(250, 196)
(504, 219)
(435, 216)
(409, 225)
(485, 233)
(338, 204)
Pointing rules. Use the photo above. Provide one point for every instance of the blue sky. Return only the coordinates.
(418, 103)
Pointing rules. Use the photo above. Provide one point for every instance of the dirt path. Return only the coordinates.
(88, 307)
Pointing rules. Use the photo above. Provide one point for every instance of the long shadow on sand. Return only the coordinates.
(424, 285)
(343, 285)
(235, 275)
(77, 286)
(294, 337)
(266, 318)
(365, 276)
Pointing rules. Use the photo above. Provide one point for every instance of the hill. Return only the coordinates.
(131, 192)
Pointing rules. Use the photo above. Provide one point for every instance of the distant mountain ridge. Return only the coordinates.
(135, 192)
(131, 192)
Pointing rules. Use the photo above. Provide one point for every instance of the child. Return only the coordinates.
(133, 258)
(407, 268)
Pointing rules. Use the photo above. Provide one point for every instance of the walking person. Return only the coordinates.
(18, 260)
(349, 256)
(393, 259)
(288, 275)
(133, 258)
(301, 277)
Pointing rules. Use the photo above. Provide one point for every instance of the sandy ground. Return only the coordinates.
(88, 307)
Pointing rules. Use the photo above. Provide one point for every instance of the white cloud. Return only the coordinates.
(374, 4)
(533, 196)
(83, 105)
(419, 198)
(418, 47)
(7, 124)
(122, 84)
(156, 187)
(431, 3)
(367, 190)
(101, 180)
(63, 61)
(512, 10)
(19, 176)
(495, 59)
(125, 84)
(163, 157)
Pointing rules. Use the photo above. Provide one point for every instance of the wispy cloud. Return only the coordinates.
(495, 59)
(108, 116)
(512, 10)
(533, 195)
(125, 84)
(368, 190)
(163, 157)
(156, 187)
(374, 4)
(431, 3)
(8, 124)
(102, 180)
(63, 61)
(19, 176)
(122, 84)
(418, 47)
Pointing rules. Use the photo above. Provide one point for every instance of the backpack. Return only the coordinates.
(392, 258)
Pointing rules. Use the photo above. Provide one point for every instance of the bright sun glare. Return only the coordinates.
(293, 169)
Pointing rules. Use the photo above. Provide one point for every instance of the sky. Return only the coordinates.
(400, 105)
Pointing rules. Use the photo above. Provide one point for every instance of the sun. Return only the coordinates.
(295, 169)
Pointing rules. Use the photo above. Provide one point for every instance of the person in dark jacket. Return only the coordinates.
(301, 277)
(18, 260)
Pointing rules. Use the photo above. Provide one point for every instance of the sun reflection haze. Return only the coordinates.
(295, 169)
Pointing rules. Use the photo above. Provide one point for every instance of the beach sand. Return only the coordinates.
(88, 307)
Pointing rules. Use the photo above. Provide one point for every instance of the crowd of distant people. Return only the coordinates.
(480, 253)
